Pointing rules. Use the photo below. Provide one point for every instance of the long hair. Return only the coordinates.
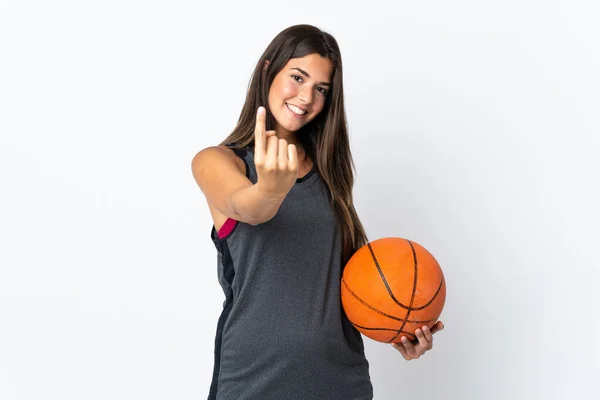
(325, 138)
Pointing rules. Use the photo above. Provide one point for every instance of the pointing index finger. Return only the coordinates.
(260, 140)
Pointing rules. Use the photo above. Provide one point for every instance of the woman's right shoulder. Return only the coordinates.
(220, 173)
(217, 155)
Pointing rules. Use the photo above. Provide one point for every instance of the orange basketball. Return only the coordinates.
(390, 287)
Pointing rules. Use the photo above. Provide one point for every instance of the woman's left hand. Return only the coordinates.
(413, 350)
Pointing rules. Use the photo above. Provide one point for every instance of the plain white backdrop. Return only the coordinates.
(475, 129)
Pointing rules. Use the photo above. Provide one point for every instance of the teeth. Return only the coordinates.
(295, 109)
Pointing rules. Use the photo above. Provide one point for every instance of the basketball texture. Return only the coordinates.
(390, 287)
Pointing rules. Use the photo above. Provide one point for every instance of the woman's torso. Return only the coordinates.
(283, 333)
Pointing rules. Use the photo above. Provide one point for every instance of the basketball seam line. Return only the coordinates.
(414, 289)
(379, 311)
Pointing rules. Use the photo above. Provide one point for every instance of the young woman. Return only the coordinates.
(279, 189)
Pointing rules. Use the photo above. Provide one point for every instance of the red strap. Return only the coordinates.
(227, 228)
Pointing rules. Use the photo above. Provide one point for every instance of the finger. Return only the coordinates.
(282, 156)
(410, 348)
(428, 334)
(400, 347)
(423, 343)
(260, 138)
(293, 157)
(268, 135)
(271, 156)
(437, 327)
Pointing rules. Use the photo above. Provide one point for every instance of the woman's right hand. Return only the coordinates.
(276, 161)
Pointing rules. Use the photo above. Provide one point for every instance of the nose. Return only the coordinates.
(306, 95)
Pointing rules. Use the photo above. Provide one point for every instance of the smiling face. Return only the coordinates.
(298, 92)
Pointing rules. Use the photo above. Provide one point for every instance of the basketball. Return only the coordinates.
(390, 287)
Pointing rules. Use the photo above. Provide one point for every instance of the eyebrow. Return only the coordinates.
(303, 72)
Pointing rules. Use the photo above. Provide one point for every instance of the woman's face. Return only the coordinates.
(298, 92)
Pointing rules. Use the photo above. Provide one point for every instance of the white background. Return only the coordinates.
(475, 130)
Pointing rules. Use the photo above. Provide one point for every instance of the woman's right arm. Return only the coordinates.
(225, 185)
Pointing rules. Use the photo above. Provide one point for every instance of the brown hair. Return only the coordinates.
(325, 138)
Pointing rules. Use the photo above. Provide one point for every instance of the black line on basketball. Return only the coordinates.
(414, 289)
(357, 297)
(387, 286)
(381, 274)
(368, 305)
(433, 298)
(412, 336)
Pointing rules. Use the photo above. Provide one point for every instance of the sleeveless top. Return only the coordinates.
(283, 334)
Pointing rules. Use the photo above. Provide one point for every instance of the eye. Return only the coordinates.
(296, 78)
(323, 91)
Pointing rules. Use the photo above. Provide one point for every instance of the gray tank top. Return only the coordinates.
(283, 334)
